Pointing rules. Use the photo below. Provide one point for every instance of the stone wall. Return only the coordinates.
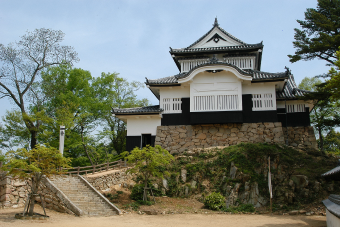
(119, 178)
(180, 138)
(14, 192)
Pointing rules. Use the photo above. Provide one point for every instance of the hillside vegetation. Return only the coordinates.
(240, 173)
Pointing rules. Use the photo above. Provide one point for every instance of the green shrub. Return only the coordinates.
(137, 192)
(214, 201)
(241, 208)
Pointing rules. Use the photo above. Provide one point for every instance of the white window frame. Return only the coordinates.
(263, 101)
(172, 105)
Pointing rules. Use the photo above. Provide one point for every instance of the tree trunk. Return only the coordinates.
(33, 138)
(84, 145)
(35, 187)
(145, 189)
(320, 140)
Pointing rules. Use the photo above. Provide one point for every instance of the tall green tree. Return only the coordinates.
(333, 84)
(83, 104)
(22, 64)
(71, 101)
(319, 36)
(325, 113)
(116, 92)
(332, 142)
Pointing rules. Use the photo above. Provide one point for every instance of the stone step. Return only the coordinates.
(83, 196)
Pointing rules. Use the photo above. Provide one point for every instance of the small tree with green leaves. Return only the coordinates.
(148, 162)
(33, 165)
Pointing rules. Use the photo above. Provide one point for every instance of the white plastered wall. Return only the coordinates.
(260, 88)
(221, 83)
(182, 91)
(142, 124)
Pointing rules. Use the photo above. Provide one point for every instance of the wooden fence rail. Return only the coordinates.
(92, 169)
(96, 168)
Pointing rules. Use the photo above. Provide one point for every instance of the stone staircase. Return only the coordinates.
(84, 196)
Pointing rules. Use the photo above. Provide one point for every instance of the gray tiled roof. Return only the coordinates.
(333, 173)
(141, 110)
(290, 91)
(333, 204)
(257, 75)
(209, 49)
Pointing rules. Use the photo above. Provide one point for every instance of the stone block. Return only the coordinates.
(201, 136)
(269, 124)
(184, 175)
(235, 130)
(277, 124)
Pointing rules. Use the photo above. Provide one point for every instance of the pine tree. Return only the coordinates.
(320, 33)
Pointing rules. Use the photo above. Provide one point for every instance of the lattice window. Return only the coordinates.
(216, 102)
(227, 102)
(172, 105)
(293, 108)
(263, 101)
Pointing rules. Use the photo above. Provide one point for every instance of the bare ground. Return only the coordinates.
(168, 220)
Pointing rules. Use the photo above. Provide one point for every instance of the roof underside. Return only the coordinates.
(138, 110)
(217, 49)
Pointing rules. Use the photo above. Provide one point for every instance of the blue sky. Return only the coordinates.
(133, 37)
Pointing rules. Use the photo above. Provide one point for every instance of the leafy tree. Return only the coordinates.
(320, 34)
(32, 165)
(115, 92)
(71, 101)
(14, 133)
(148, 162)
(22, 63)
(332, 142)
(324, 114)
(333, 84)
(83, 104)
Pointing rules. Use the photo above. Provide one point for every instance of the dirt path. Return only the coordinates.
(177, 220)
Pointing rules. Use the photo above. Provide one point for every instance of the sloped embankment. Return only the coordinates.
(240, 173)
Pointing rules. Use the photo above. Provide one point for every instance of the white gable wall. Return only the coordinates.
(229, 42)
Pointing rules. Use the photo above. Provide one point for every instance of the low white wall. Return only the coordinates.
(332, 220)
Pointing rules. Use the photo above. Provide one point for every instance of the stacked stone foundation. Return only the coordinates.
(180, 138)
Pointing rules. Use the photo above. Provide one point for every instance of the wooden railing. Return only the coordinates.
(96, 168)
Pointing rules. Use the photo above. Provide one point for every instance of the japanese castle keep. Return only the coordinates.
(220, 97)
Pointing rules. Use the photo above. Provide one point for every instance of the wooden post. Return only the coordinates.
(78, 170)
(107, 166)
(270, 186)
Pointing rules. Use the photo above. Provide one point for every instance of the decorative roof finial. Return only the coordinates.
(288, 71)
(216, 22)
